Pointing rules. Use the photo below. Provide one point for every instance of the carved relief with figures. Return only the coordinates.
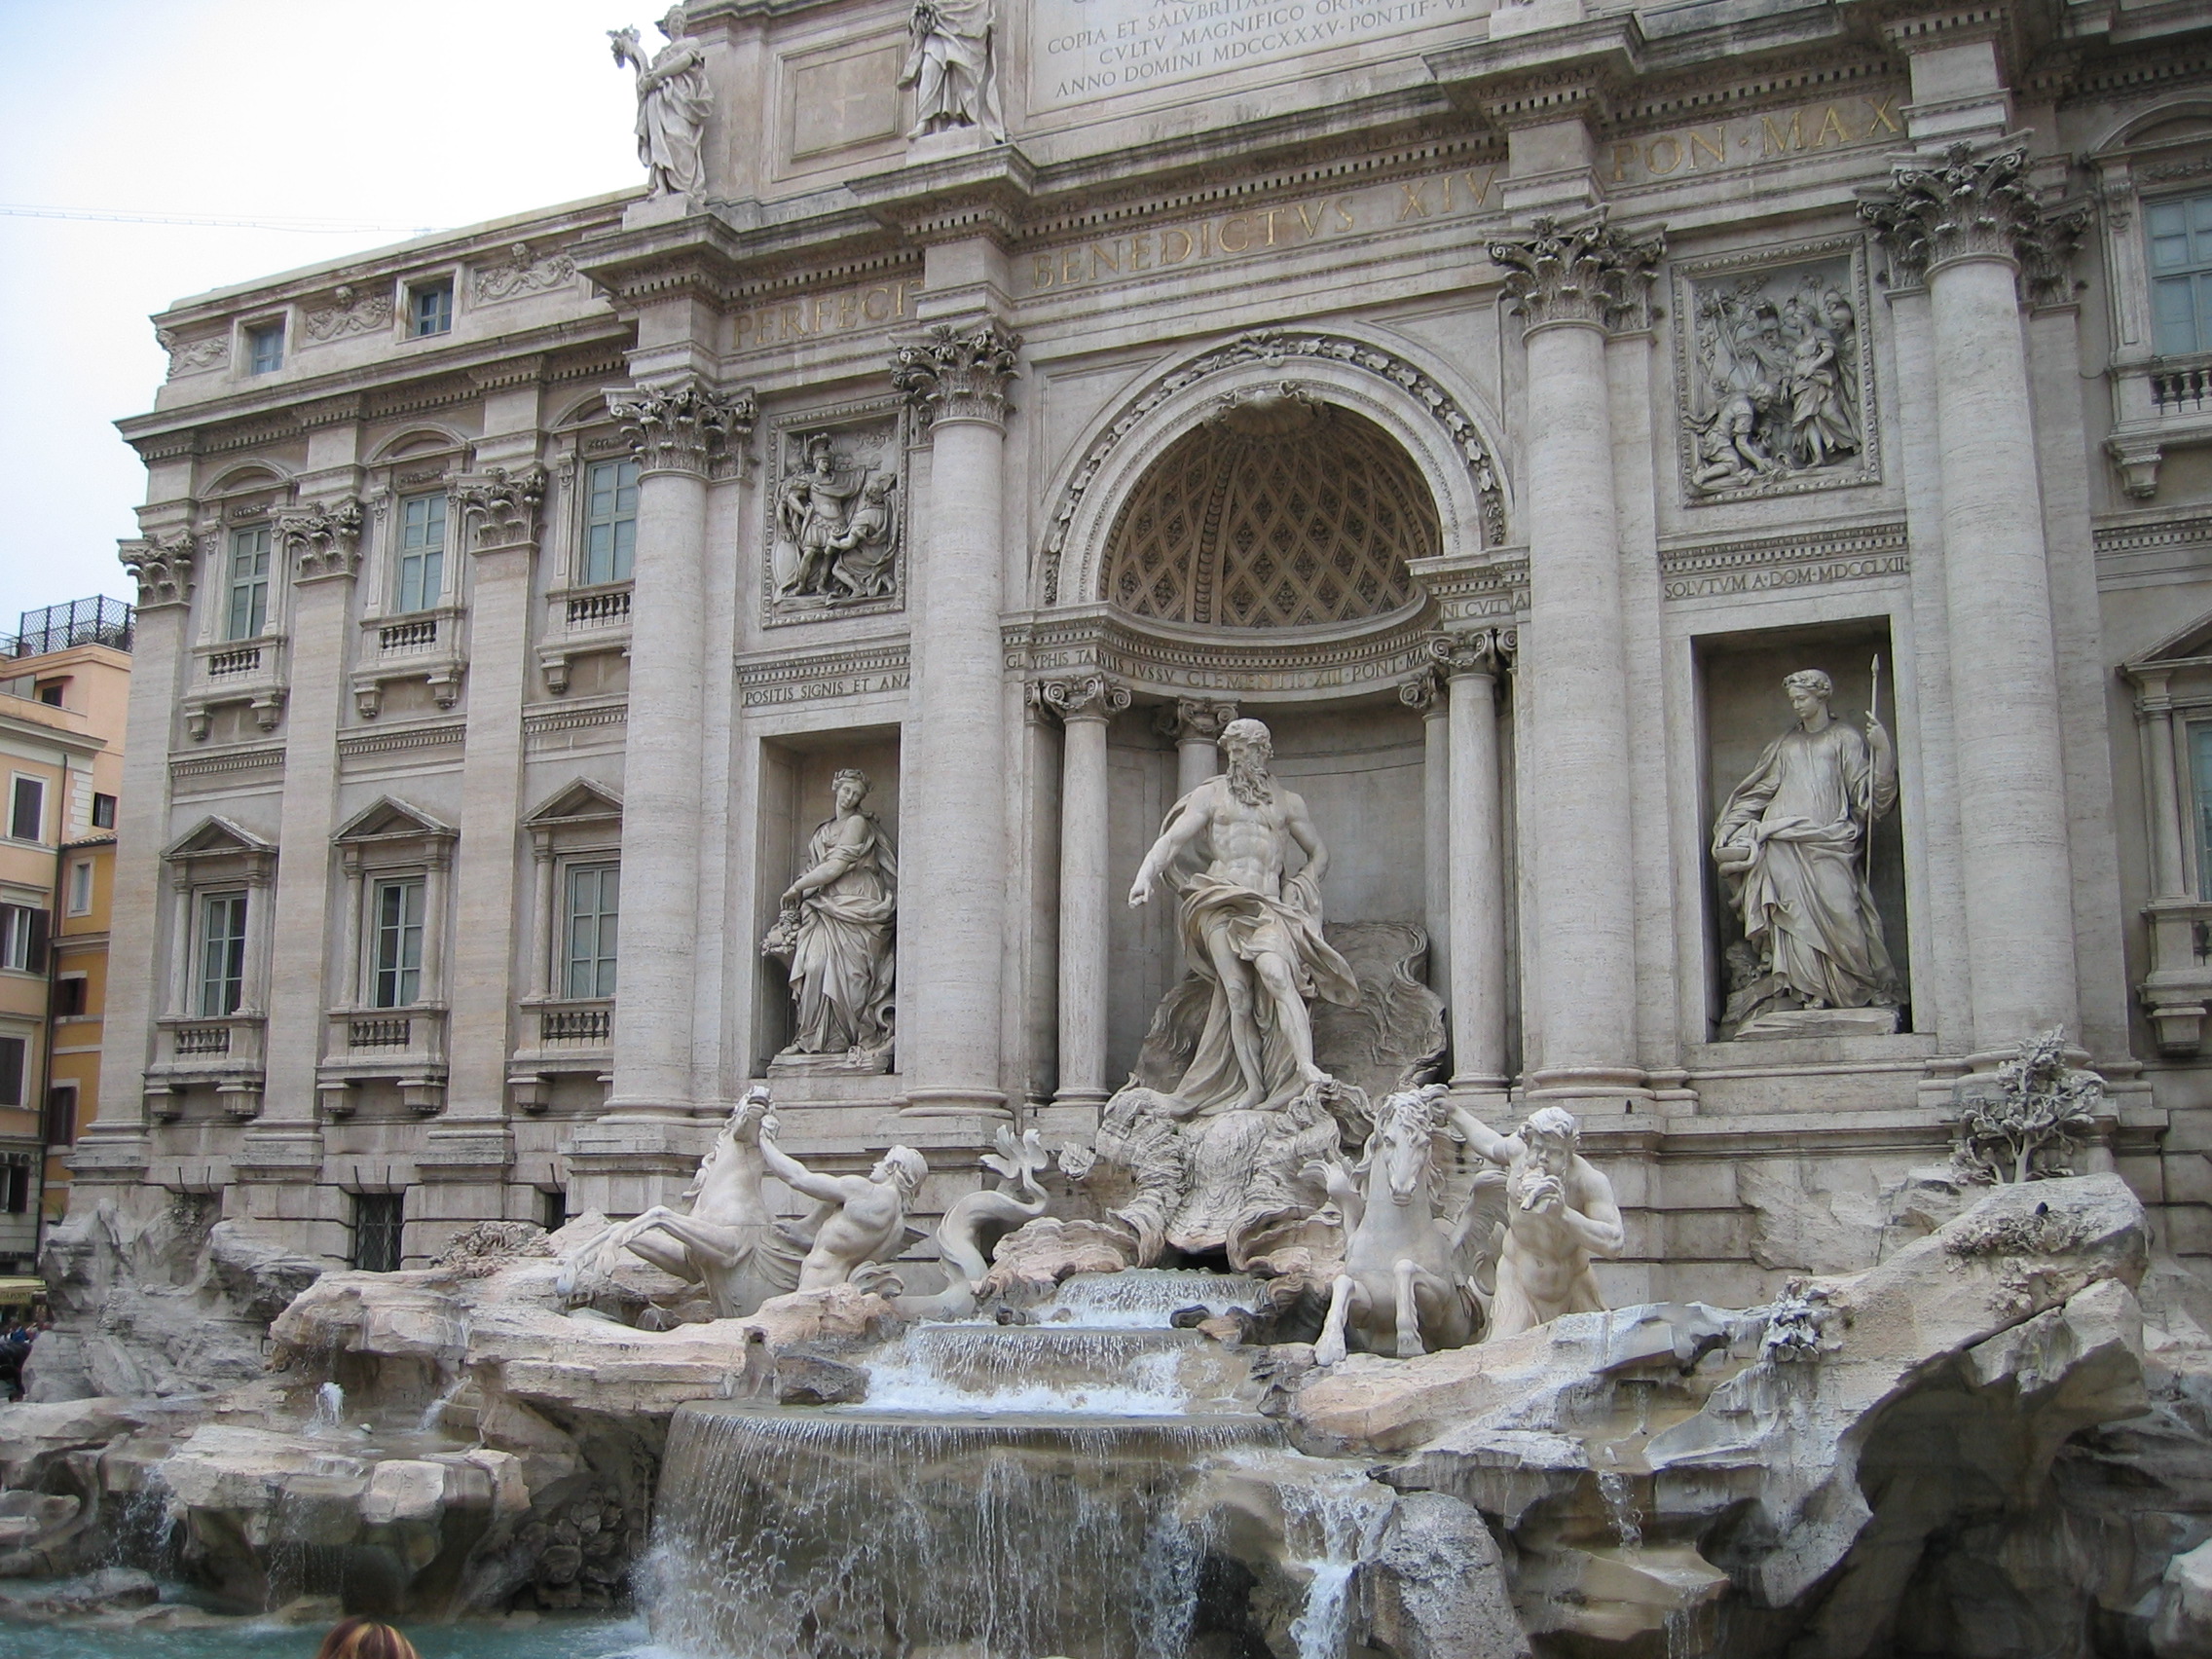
(835, 542)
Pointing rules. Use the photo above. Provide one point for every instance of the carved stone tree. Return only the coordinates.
(1573, 288)
(1973, 229)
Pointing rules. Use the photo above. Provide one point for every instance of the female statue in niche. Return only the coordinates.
(834, 935)
(1790, 846)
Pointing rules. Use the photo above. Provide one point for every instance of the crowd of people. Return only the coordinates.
(17, 1330)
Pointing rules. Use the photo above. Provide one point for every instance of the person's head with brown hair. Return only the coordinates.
(365, 1639)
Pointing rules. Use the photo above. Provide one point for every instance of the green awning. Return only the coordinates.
(18, 1292)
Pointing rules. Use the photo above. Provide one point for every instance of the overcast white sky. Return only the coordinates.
(411, 113)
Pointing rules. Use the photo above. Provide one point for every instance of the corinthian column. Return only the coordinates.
(1571, 287)
(1974, 228)
(952, 892)
(678, 431)
(1471, 662)
(1084, 703)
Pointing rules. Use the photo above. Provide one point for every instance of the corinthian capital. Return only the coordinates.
(1082, 696)
(163, 565)
(1965, 208)
(1194, 716)
(685, 427)
(956, 373)
(1587, 274)
(502, 507)
(324, 540)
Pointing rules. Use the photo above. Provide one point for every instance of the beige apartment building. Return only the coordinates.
(1503, 402)
(64, 695)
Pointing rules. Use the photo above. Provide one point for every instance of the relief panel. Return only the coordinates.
(835, 541)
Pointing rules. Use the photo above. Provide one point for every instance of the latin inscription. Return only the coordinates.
(1079, 50)
(1258, 232)
(810, 315)
(1749, 140)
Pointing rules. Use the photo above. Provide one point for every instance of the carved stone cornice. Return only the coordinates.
(321, 542)
(1965, 208)
(1194, 716)
(1081, 696)
(502, 507)
(1588, 273)
(957, 373)
(163, 565)
(685, 427)
(1472, 650)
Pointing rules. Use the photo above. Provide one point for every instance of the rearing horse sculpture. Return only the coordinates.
(728, 1239)
(1406, 1286)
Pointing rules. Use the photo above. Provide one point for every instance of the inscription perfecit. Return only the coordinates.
(810, 315)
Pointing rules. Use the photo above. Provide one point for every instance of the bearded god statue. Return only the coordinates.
(1791, 850)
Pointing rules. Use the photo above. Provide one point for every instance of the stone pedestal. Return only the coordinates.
(952, 889)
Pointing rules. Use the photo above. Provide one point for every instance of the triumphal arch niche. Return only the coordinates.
(1261, 531)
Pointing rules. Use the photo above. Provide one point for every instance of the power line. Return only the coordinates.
(326, 227)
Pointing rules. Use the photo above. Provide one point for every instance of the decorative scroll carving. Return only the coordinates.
(1975, 209)
(324, 540)
(1776, 375)
(1274, 346)
(503, 507)
(1472, 650)
(684, 427)
(835, 535)
(351, 313)
(956, 374)
(1082, 696)
(194, 357)
(163, 565)
(520, 274)
(1194, 716)
(1587, 274)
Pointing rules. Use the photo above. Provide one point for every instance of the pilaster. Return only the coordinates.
(1084, 703)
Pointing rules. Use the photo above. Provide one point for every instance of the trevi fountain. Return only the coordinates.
(1404, 835)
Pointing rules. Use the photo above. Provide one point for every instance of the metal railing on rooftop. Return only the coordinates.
(96, 621)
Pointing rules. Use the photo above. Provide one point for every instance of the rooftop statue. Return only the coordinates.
(952, 66)
(673, 106)
(1791, 847)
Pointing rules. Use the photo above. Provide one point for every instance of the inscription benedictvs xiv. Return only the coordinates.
(1081, 50)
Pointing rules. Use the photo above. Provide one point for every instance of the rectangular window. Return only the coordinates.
(2181, 273)
(71, 996)
(249, 583)
(222, 953)
(61, 1114)
(377, 1221)
(397, 978)
(103, 811)
(19, 1188)
(430, 310)
(264, 349)
(610, 521)
(594, 891)
(14, 1052)
(553, 1209)
(81, 888)
(50, 694)
(421, 551)
(22, 939)
(26, 810)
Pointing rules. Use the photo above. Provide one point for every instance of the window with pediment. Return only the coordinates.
(1291, 514)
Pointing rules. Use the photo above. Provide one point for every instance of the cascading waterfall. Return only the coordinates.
(1331, 1524)
(781, 1534)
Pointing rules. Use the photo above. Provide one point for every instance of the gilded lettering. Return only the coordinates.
(1717, 146)
(1885, 115)
(1671, 147)
(1106, 255)
(1831, 123)
(1269, 214)
(795, 321)
(1413, 206)
(909, 282)
(822, 305)
(1041, 276)
(1772, 138)
(1228, 246)
(1140, 251)
(1179, 255)
(1309, 217)
(1623, 154)
(848, 308)
(1344, 213)
(869, 298)
(1071, 266)
(1480, 192)
(739, 327)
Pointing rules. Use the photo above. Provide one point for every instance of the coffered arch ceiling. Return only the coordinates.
(1279, 511)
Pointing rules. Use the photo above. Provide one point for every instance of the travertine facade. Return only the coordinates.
(1500, 403)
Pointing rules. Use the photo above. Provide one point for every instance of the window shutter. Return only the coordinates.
(12, 1053)
(35, 957)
